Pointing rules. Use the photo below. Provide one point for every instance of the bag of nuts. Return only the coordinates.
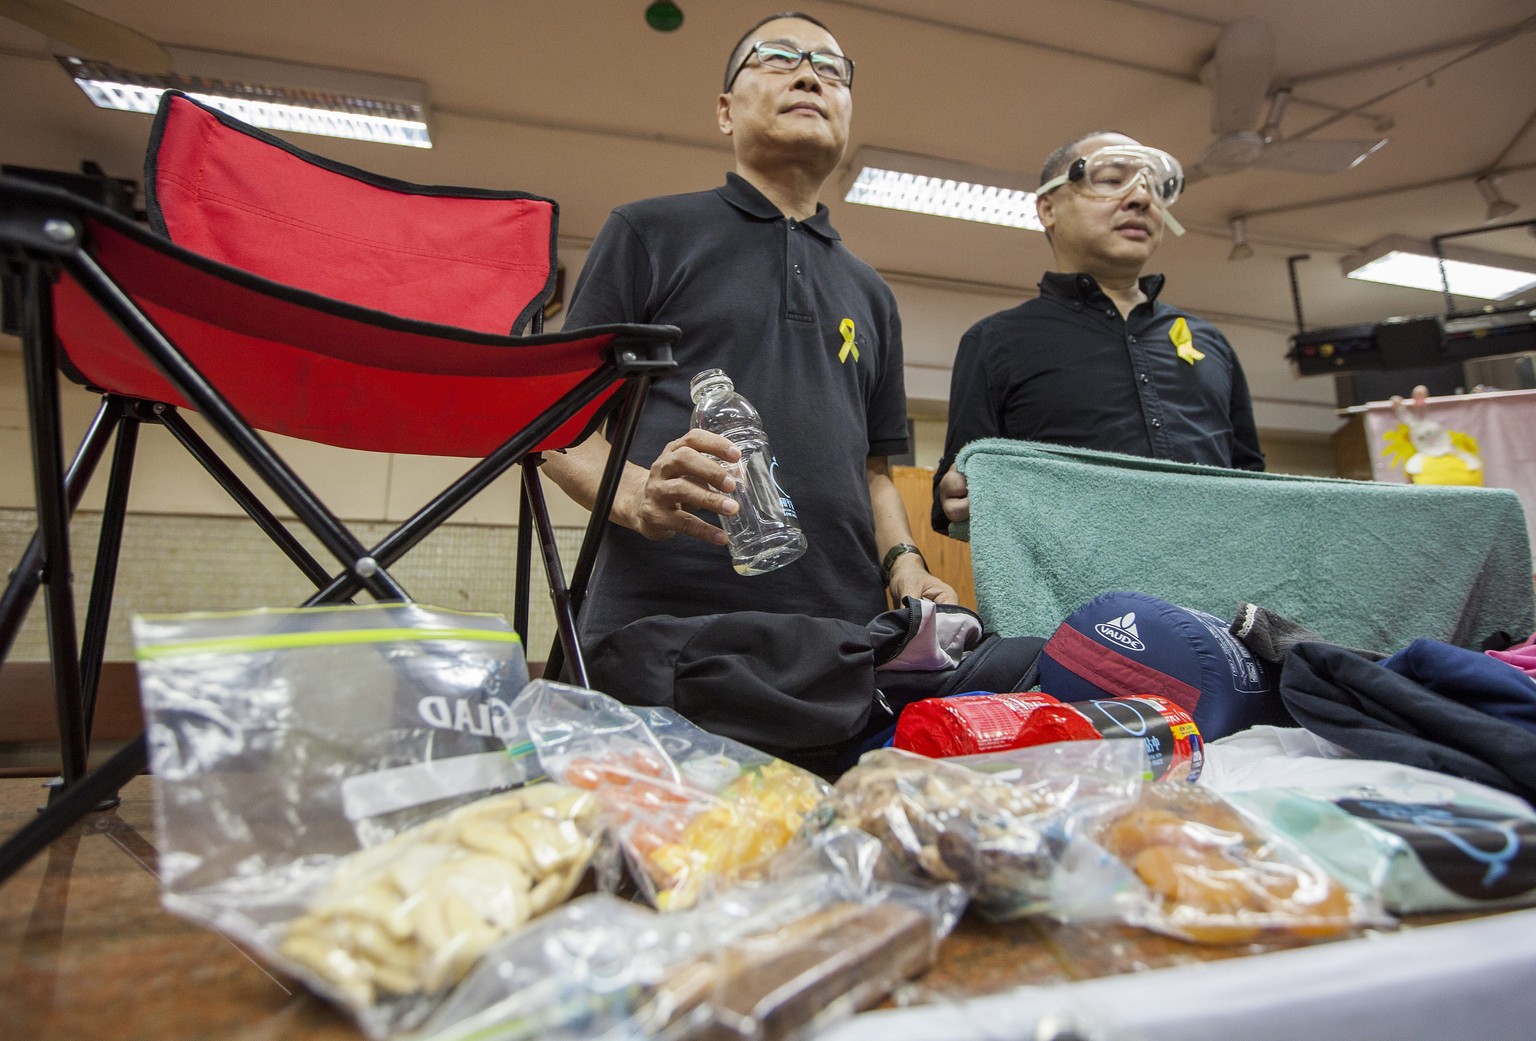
(348, 792)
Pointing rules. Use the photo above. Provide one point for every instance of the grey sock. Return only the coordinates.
(1269, 635)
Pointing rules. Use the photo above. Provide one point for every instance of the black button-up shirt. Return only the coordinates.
(1065, 368)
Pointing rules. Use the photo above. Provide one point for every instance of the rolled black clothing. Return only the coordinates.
(803, 689)
(1378, 714)
(791, 685)
(1065, 368)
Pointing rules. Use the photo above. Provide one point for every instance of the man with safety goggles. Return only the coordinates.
(1097, 360)
(1116, 170)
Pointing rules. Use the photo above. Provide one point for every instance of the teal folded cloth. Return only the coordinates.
(1360, 563)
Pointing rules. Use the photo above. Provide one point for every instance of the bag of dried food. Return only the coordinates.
(345, 790)
(692, 810)
(993, 824)
(1183, 861)
(821, 936)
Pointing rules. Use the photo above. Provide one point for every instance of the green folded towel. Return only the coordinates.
(1361, 563)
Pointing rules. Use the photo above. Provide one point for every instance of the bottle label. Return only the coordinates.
(784, 500)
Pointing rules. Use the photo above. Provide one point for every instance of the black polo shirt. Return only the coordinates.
(1065, 368)
(810, 334)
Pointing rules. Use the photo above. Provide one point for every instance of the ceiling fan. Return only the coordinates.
(91, 35)
(1240, 74)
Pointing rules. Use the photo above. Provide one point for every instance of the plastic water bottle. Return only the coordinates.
(764, 534)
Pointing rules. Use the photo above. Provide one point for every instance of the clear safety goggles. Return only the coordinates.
(1115, 171)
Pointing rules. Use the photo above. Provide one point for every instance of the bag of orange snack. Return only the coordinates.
(692, 810)
(1191, 865)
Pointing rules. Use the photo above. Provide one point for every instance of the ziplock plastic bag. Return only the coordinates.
(817, 939)
(320, 779)
(1181, 860)
(993, 823)
(1415, 857)
(692, 810)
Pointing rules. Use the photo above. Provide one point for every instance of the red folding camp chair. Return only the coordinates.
(289, 294)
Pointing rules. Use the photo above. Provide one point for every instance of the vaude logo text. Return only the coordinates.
(1122, 630)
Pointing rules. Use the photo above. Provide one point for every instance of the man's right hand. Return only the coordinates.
(955, 496)
(688, 475)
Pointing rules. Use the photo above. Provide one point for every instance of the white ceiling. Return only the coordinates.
(581, 101)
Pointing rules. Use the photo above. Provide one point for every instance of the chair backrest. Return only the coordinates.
(470, 258)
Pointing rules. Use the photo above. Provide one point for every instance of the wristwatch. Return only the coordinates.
(894, 552)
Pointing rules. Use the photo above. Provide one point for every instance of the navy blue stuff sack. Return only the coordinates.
(1121, 643)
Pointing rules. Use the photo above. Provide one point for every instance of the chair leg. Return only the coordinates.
(237, 490)
(114, 414)
(27, 576)
(565, 619)
(72, 804)
(622, 436)
(523, 565)
(42, 382)
(109, 545)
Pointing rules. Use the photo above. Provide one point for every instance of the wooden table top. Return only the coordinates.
(87, 952)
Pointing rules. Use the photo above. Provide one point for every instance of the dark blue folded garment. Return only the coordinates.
(1470, 677)
(1125, 643)
(1377, 713)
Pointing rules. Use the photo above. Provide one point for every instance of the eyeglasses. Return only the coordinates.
(829, 67)
(1115, 171)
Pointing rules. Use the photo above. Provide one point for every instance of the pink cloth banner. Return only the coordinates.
(1465, 439)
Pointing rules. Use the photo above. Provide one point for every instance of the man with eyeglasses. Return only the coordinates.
(761, 285)
(1097, 360)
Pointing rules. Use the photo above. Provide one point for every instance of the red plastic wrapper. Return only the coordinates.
(975, 723)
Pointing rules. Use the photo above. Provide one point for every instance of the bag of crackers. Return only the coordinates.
(348, 792)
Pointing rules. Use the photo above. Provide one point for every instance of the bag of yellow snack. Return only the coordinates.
(692, 810)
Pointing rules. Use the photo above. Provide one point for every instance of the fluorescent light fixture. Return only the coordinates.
(273, 95)
(923, 184)
(1399, 261)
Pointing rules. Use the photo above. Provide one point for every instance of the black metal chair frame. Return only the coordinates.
(46, 234)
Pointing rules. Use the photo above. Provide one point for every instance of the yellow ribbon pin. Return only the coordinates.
(849, 347)
(1184, 343)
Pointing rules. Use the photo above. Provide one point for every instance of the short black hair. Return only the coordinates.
(1058, 160)
(739, 52)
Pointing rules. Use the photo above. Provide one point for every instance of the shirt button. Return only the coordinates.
(1144, 378)
(1157, 424)
(1131, 338)
(1109, 311)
